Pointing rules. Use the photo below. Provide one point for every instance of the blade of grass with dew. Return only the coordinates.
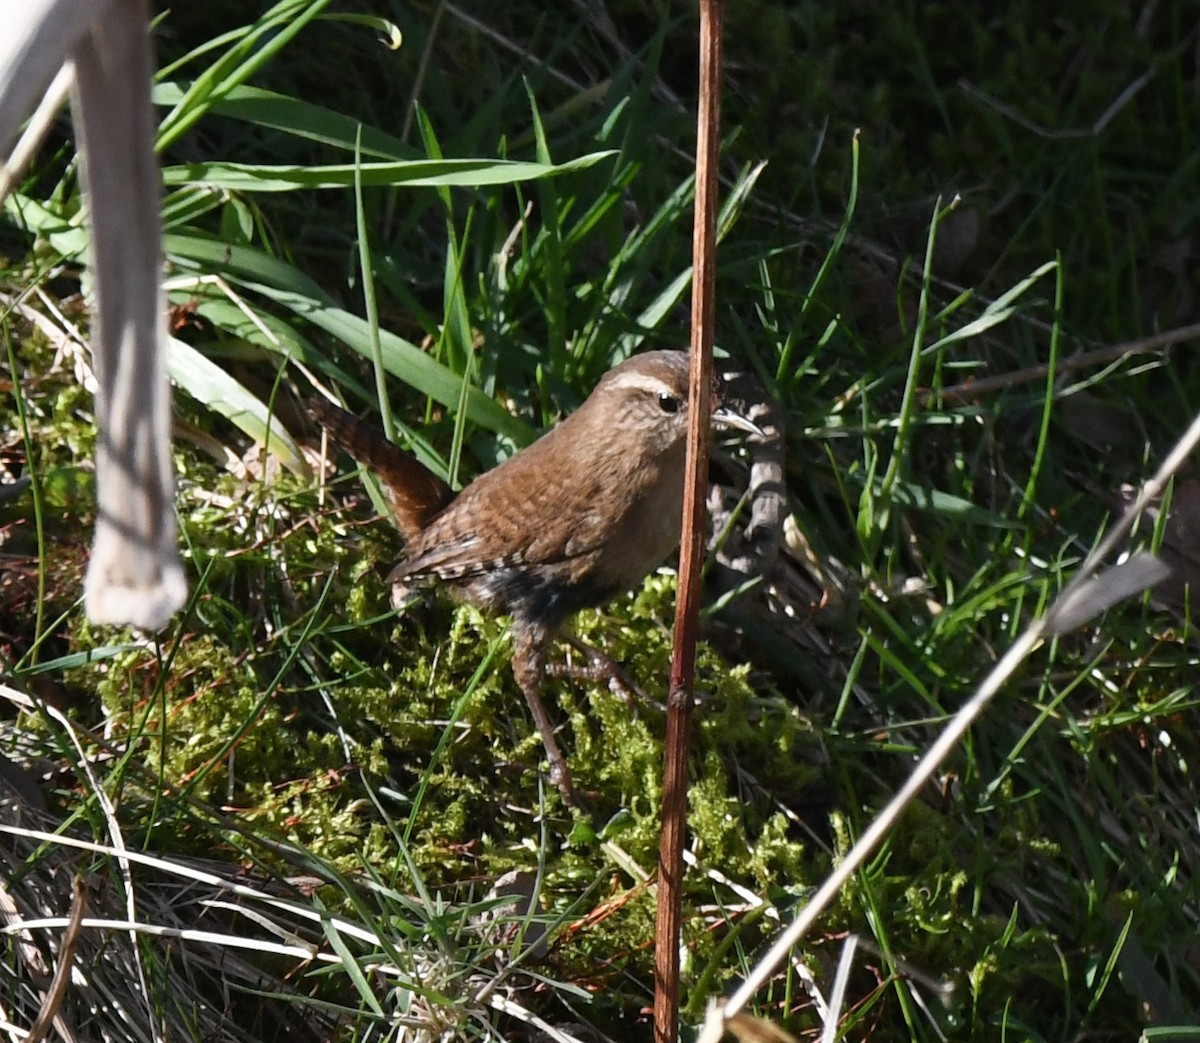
(186, 206)
(389, 32)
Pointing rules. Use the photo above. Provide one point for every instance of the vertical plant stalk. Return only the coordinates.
(134, 576)
(691, 555)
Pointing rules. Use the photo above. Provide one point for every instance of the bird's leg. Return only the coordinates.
(601, 667)
(529, 668)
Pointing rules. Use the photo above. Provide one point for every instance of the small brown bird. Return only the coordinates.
(581, 515)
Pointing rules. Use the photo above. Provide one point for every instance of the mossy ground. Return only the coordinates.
(1046, 880)
(417, 716)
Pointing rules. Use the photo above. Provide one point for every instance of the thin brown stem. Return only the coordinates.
(973, 389)
(48, 1016)
(687, 608)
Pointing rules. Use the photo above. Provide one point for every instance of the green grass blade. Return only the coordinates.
(426, 173)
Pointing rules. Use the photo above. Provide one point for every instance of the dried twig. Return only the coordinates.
(973, 389)
(692, 547)
(49, 1016)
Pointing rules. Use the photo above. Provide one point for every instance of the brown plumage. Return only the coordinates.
(415, 492)
(570, 521)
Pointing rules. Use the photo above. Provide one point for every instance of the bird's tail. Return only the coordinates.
(415, 492)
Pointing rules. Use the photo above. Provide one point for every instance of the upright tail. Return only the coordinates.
(415, 492)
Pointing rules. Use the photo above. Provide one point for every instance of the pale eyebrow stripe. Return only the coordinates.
(643, 381)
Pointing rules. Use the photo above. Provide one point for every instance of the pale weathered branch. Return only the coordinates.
(134, 576)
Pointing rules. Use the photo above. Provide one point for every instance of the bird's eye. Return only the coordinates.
(668, 403)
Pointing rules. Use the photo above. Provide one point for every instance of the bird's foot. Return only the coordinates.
(600, 666)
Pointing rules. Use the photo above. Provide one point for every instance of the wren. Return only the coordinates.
(579, 516)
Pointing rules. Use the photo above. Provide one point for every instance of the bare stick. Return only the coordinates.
(49, 1016)
(973, 389)
(687, 606)
(134, 576)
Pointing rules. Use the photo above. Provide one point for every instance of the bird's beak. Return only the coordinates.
(725, 416)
